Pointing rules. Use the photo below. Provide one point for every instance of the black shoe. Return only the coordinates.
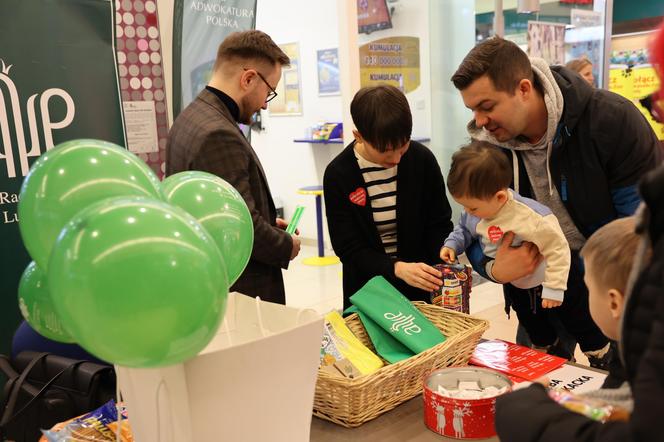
(557, 349)
(603, 362)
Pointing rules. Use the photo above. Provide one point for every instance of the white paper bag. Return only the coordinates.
(255, 381)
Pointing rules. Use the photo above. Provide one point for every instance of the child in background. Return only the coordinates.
(479, 180)
(607, 272)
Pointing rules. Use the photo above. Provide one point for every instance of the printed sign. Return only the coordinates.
(53, 88)
(393, 60)
(289, 95)
(514, 360)
(328, 71)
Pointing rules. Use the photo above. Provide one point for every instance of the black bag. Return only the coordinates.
(44, 389)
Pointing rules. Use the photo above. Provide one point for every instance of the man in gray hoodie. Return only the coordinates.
(576, 149)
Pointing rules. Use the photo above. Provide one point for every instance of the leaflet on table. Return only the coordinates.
(514, 360)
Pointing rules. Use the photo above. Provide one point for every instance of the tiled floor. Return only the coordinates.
(320, 288)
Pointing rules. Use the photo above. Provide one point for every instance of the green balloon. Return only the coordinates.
(36, 305)
(71, 177)
(138, 282)
(220, 209)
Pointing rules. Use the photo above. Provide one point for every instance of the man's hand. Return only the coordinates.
(550, 303)
(448, 255)
(512, 263)
(418, 274)
(296, 248)
(282, 224)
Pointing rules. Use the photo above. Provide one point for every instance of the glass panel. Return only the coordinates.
(583, 34)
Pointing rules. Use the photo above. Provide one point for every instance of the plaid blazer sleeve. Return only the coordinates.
(223, 153)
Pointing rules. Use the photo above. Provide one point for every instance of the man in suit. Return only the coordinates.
(206, 137)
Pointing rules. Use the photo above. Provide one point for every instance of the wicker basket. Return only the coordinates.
(352, 402)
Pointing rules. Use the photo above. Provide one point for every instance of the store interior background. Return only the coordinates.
(447, 30)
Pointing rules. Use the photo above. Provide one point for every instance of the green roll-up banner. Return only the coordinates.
(199, 26)
(58, 81)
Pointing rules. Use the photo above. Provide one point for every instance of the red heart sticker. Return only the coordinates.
(495, 234)
(359, 197)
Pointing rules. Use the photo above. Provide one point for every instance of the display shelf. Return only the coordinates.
(330, 141)
(340, 140)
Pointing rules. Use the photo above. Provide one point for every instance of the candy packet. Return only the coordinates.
(591, 408)
(99, 425)
(340, 348)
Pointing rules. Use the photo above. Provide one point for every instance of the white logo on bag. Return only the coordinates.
(47, 124)
(407, 323)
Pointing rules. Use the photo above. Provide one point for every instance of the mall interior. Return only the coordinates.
(169, 349)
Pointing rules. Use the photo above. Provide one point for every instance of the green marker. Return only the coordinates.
(292, 225)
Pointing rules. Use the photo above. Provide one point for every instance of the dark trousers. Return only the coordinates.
(573, 313)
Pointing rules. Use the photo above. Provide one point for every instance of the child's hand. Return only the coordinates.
(550, 303)
(447, 254)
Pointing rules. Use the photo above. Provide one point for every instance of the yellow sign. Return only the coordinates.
(392, 60)
(289, 97)
(636, 83)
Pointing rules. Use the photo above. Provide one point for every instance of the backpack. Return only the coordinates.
(43, 389)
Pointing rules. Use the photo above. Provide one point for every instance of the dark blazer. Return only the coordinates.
(206, 137)
(423, 219)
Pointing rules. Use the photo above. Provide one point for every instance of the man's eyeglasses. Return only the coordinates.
(272, 94)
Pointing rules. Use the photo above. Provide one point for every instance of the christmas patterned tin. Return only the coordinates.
(460, 402)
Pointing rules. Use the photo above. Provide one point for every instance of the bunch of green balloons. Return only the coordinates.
(135, 271)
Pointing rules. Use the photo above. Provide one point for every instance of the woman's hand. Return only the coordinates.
(418, 274)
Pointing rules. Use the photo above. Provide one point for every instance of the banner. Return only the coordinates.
(632, 76)
(138, 41)
(199, 26)
(636, 83)
(547, 41)
(58, 82)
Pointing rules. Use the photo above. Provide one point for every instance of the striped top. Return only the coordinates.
(381, 187)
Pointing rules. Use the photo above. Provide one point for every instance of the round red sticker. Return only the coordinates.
(495, 234)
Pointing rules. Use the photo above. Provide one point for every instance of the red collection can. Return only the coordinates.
(462, 418)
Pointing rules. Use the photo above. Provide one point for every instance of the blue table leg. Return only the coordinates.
(319, 224)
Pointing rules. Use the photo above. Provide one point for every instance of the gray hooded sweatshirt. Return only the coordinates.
(536, 156)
